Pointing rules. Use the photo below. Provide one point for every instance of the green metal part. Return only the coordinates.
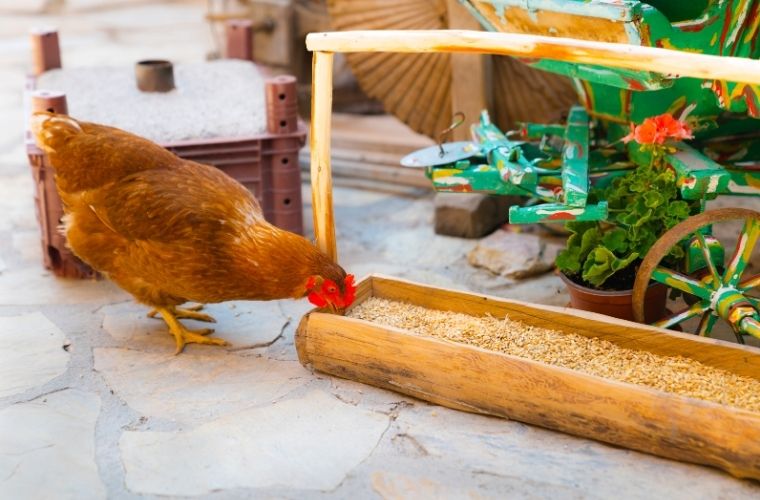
(557, 163)
(721, 292)
(557, 212)
(575, 158)
(704, 26)
(695, 256)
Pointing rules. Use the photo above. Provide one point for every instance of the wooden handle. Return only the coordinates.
(321, 175)
(668, 62)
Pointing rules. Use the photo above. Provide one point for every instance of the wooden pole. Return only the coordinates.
(321, 175)
(668, 62)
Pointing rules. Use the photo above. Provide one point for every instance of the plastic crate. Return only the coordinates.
(267, 164)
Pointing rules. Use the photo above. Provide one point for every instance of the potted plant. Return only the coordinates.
(600, 261)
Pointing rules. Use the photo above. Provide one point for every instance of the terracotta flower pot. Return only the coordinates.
(617, 304)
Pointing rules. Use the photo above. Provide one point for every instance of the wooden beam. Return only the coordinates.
(468, 74)
(668, 62)
(321, 175)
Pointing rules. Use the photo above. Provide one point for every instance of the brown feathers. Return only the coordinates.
(169, 230)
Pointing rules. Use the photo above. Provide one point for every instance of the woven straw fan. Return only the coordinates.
(416, 88)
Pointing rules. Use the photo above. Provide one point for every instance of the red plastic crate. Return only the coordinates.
(267, 164)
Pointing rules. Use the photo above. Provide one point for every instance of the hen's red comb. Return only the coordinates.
(350, 294)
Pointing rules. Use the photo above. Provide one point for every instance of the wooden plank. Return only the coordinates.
(321, 176)
(393, 175)
(354, 164)
(364, 156)
(468, 74)
(371, 148)
(665, 61)
(381, 134)
(743, 360)
(480, 381)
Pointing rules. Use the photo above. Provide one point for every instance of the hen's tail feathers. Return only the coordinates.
(52, 129)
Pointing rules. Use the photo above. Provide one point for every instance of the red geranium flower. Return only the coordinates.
(658, 129)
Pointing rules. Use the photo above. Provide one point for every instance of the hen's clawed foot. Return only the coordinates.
(190, 312)
(183, 335)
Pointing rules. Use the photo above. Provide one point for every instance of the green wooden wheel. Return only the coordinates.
(717, 293)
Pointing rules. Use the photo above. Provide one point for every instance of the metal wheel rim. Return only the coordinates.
(672, 237)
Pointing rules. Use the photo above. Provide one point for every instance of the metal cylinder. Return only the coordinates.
(46, 52)
(239, 34)
(282, 104)
(48, 100)
(154, 75)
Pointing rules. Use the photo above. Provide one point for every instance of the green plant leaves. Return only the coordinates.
(602, 263)
(643, 204)
(616, 240)
(583, 239)
(568, 260)
(653, 199)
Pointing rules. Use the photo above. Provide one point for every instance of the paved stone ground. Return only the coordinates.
(93, 404)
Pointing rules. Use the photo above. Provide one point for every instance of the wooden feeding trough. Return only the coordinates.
(265, 160)
(474, 379)
(477, 380)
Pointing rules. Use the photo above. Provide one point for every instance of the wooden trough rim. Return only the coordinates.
(665, 342)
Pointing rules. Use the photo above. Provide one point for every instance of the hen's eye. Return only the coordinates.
(331, 289)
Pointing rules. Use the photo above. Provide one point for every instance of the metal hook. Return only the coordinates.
(458, 120)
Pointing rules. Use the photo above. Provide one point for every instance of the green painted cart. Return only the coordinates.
(556, 164)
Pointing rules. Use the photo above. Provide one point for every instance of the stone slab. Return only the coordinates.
(28, 245)
(34, 286)
(309, 443)
(418, 247)
(31, 350)
(244, 325)
(47, 448)
(199, 384)
(506, 459)
(514, 255)
(27, 7)
(17, 202)
(395, 485)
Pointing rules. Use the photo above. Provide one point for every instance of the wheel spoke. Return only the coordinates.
(750, 283)
(749, 326)
(743, 252)
(688, 313)
(680, 281)
(708, 259)
(706, 323)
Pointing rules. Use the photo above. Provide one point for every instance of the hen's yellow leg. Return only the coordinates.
(184, 336)
(190, 312)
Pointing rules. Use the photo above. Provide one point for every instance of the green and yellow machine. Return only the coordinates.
(557, 164)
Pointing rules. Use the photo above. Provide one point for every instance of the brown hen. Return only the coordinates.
(169, 231)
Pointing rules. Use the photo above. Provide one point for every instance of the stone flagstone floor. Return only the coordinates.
(94, 405)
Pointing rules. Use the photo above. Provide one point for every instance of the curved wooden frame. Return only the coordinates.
(669, 62)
